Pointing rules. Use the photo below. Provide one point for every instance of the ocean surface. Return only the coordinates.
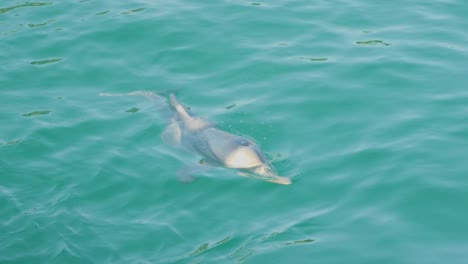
(363, 104)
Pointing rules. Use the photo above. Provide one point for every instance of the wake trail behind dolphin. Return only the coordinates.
(159, 100)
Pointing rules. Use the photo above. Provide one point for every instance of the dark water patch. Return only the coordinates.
(35, 113)
(7, 9)
(226, 239)
(206, 246)
(299, 242)
(133, 11)
(244, 251)
(256, 4)
(40, 24)
(230, 106)
(42, 62)
(314, 58)
(270, 235)
(200, 249)
(245, 256)
(133, 110)
(373, 43)
(102, 13)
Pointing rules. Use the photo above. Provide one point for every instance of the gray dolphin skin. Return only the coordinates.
(215, 146)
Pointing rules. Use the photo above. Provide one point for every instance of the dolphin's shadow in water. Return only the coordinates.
(216, 147)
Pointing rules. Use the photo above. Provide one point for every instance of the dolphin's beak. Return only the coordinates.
(279, 180)
(269, 175)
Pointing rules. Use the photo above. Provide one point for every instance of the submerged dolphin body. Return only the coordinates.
(216, 146)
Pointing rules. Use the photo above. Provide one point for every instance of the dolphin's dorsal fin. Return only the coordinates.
(179, 108)
(192, 123)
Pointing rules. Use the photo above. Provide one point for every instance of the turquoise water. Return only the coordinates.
(363, 104)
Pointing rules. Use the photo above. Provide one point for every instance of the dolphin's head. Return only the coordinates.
(245, 154)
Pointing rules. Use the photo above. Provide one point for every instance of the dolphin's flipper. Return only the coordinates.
(172, 135)
(208, 162)
(186, 174)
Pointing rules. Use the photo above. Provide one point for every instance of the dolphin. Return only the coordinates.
(217, 147)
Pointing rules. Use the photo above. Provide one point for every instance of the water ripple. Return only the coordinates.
(7, 9)
(42, 62)
(367, 112)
